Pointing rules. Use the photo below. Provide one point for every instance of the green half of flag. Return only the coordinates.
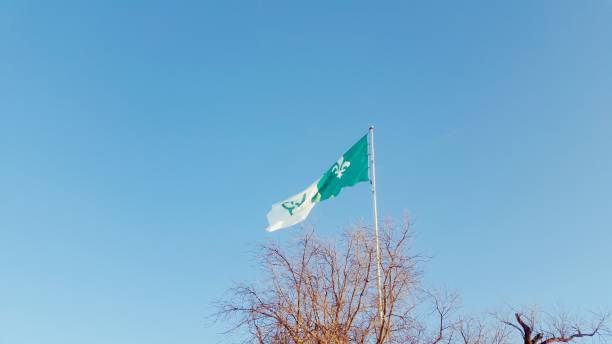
(350, 169)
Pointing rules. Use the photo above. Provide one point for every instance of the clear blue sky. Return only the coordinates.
(142, 145)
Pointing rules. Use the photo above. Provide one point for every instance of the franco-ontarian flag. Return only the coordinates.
(350, 169)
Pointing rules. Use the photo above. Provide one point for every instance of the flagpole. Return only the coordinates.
(378, 262)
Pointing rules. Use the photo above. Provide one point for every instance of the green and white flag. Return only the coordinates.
(350, 169)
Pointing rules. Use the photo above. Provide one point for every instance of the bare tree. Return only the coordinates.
(554, 328)
(326, 292)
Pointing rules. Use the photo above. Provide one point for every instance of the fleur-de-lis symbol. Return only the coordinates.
(340, 167)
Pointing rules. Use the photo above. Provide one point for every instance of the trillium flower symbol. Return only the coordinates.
(290, 206)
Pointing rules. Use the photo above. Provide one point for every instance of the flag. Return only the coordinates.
(350, 169)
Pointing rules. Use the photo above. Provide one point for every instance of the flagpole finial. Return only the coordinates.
(372, 127)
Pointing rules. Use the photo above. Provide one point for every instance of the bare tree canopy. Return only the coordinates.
(323, 292)
(554, 328)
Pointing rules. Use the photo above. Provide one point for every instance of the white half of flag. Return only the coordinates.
(293, 210)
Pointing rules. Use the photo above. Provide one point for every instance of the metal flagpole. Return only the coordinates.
(378, 265)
